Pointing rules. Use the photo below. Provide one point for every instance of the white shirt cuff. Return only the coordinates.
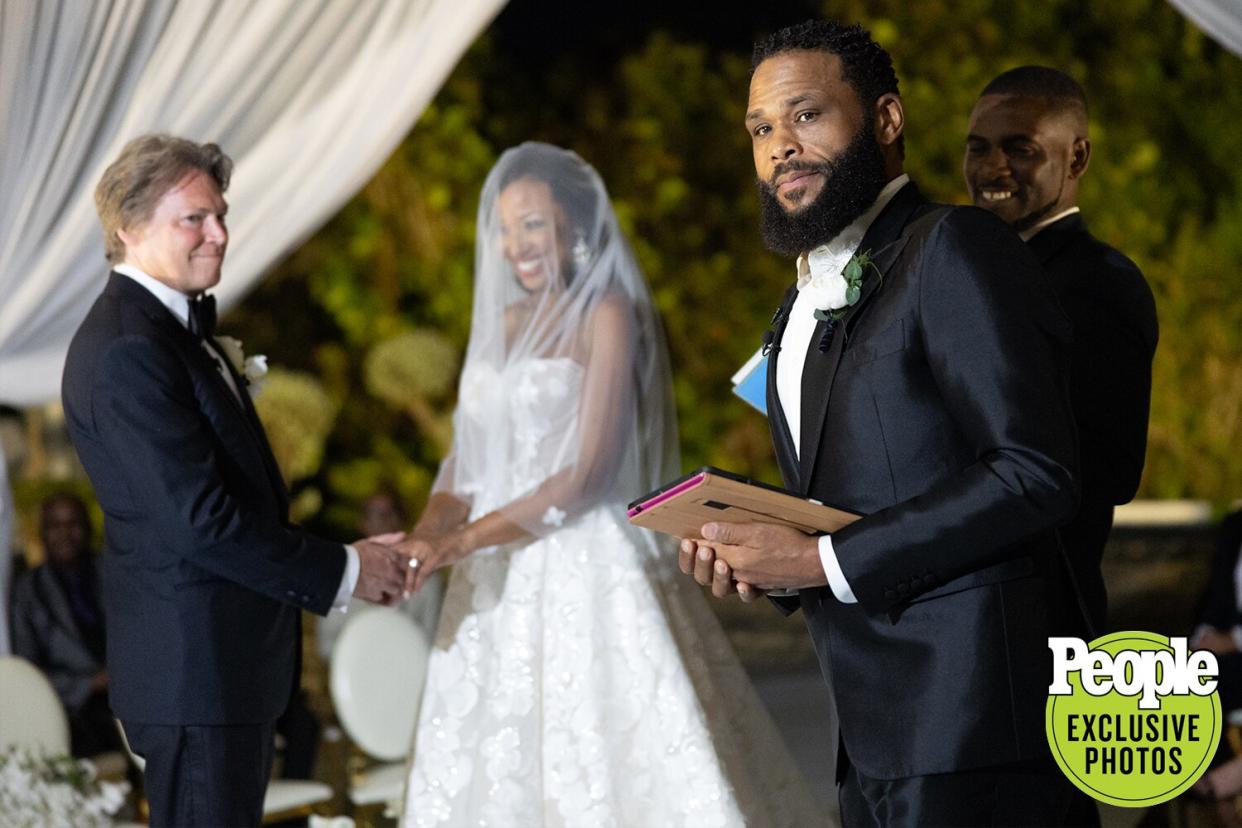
(836, 578)
(349, 580)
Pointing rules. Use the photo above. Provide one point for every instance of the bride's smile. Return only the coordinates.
(528, 230)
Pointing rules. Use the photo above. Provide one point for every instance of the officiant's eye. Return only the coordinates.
(809, 115)
(1020, 149)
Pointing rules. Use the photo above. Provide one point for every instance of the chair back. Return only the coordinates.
(33, 716)
(379, 664)
(138, 761)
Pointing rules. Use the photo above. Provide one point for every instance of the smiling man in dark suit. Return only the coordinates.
(917, 377)
(1026, 152)
(204, 578)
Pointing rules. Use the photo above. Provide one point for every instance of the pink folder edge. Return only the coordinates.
(663, 496)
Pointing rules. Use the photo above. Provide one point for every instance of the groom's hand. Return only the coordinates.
(766, 555)
(699, 560)
(381, 573)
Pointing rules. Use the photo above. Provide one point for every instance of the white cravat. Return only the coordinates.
(179, 305)
(796, 339)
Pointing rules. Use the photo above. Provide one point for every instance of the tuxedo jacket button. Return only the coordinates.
(929, 579)
(291, 594)
(903, 588)
(890, 594)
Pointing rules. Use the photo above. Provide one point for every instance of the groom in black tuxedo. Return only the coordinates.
(1026, 152)
(926, 393)
(204, 578)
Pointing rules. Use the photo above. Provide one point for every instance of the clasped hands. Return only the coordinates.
(394, 566)
(751, 559)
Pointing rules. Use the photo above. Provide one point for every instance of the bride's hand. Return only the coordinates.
(431, 533)
(429, 553)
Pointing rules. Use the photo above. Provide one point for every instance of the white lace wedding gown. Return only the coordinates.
(580, 679)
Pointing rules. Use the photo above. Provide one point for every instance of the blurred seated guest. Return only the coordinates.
(1220, 608)
(1027, 152)
(1219, 629)
(58, 623)
(382, 513)
(1219, 616)
(1223, 783)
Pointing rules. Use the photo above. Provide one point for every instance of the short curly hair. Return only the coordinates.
(147, 168)
(865, 65)
(1039, 82)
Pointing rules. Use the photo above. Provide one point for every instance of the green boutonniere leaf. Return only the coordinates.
(853, 273)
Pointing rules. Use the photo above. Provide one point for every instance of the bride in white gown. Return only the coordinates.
(577, 679)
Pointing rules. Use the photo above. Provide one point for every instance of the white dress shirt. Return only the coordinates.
(1029, 233)
(179, 305)
(796, 339)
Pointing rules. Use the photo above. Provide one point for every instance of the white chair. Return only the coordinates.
(32, 715)
(285, 798)
(379, 663)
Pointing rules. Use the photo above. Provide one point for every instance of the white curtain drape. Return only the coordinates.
(308, 96)
(1220, 20)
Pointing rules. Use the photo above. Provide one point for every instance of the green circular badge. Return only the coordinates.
(1129, 718)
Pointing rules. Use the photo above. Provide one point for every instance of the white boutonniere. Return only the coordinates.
(835, 293)
(251, 369)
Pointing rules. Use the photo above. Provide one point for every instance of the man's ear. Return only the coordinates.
(127, 237)
(1080, 156)
(890, 119)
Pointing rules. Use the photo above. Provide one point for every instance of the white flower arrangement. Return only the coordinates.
(251, 369)
(834, 293)
(38, 791)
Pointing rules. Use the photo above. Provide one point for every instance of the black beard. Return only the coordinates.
(852, 181)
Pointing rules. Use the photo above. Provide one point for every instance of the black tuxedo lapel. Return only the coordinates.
(256, 427)
(818, 372)
(786, 454)
(884, 241)
(1052, 239)
(127, 290)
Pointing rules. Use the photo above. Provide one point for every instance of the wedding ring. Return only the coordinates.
(414, 563)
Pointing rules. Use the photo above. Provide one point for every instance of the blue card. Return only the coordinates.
(751, 382)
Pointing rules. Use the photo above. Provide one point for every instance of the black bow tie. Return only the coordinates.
(203, 316)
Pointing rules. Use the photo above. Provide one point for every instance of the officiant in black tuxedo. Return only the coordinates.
(1027, 150)
(204, 578)
(917, 376)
